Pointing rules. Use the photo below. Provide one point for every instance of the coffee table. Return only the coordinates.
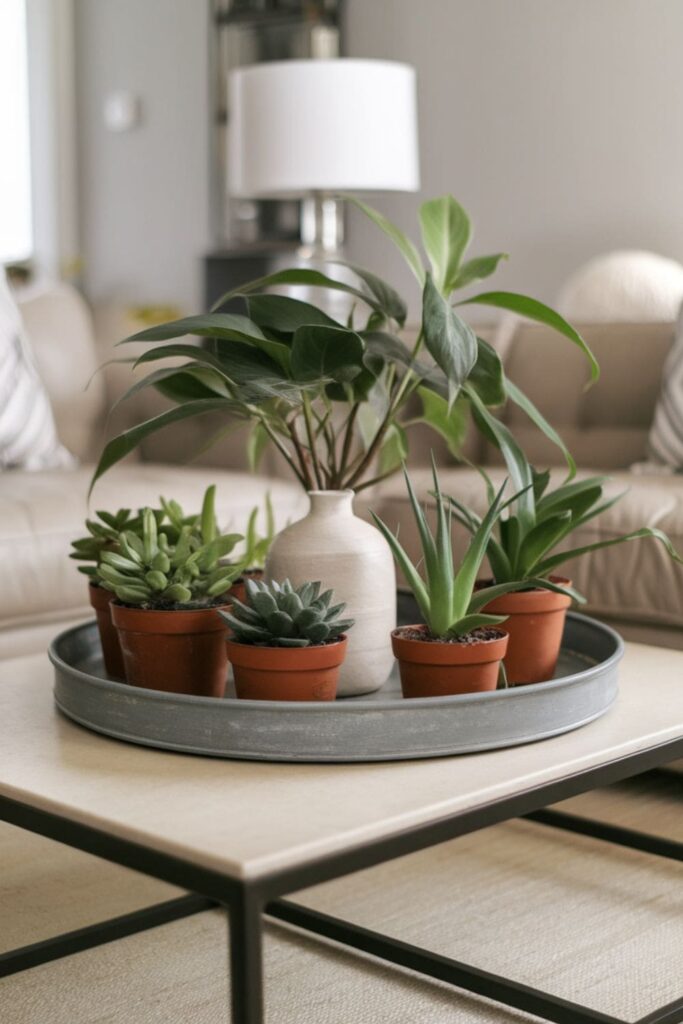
(245, 834)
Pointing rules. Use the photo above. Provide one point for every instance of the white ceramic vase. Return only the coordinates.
(345, 553)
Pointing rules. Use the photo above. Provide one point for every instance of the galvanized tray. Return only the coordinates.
(379, 727)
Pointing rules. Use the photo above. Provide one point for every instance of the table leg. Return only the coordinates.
(245, 916)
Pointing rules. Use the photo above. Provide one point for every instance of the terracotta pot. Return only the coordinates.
(535, 623)
(177, 651)
(286, 673)
(101, 599)
(432, 669)
(238, 590)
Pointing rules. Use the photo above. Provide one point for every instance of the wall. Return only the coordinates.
(144, 193)
(556, 123)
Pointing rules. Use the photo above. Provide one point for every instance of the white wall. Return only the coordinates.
(144, 193)
(557, 123)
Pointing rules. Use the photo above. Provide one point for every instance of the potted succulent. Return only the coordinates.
(256, 548)
(337, 398)
(523, 547)
(103, 535)
(459, 647)
(166, 604)
(286, 643)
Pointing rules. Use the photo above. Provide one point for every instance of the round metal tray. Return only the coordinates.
(379, 727)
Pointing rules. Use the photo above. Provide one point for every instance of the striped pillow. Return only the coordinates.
(666, 434)
(28, 437)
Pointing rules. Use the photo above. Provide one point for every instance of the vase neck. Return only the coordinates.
(331, 503)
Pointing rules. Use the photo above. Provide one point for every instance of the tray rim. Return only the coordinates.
(349, 704)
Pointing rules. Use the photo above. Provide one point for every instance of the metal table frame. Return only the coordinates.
(247, 902)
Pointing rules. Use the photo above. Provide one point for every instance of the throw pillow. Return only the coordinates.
(666, 434)
(28, 437)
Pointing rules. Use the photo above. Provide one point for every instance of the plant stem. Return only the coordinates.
(307, 479)
(377, 479)
(308, 420)
(285, 454)
(348, 440)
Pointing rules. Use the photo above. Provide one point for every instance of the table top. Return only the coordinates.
(248, 819)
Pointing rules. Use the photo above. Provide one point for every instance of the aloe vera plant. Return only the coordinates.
(147, 570)
(539, 519)
(256, 545)
(280, 615)
(334, 398)
(447, 595)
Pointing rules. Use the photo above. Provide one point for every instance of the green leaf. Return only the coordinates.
(207, 325)
(532, 309)
(485, 595)
(125, 443)
(446, 233)
(257, 442)
(518, 467)
(647, 531)
(177, 383)
(450, 424)
(466, 578)
(477, 269)
(450, 341)
(411, 574)
(470, 622)
(538, 419)
(284, 314)
(541, 539)
(394, 450)
(379, 296)
(385, 299)
(487, 376)
(401, 241)
(320, 352)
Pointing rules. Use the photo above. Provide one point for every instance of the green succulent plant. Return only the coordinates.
(448, 596)
(278, 615)
(102, 536)
(149, 571)
(256, 545)
(540, 518)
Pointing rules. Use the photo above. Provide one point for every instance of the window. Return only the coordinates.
(16, 228)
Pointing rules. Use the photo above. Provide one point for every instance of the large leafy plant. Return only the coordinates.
(335, 398)
(447, 595)
(540, 519)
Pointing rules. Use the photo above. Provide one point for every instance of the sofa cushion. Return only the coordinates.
(634, 582)
(40, 513)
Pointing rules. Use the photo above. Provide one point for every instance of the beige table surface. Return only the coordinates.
(248, 818)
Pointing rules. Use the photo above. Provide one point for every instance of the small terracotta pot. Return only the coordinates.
(535, 623)
(432, 669)
(286, 673)
(101, 600)
(177, 651)
(238, 590)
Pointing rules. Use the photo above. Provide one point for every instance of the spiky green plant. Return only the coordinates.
(278, 615)
(256, 545)
(102, 536)
(540, 518)
(151, 572)
(448, 596)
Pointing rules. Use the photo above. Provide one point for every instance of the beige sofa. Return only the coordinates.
(635, 586)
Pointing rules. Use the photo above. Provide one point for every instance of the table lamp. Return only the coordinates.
(311, 129)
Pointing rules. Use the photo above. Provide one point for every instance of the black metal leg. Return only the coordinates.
(245, 915)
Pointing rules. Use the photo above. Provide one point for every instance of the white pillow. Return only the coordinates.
(28, 437)
(666, 434)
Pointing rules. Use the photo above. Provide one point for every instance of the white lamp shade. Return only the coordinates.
(298, 126)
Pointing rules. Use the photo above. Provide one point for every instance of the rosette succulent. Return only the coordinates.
(280, 615)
